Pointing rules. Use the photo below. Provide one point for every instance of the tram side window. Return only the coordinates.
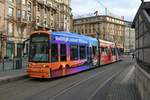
(54, 52)
(82, 52)
(63, 52)
(90, 52)
(74, 52)
(113, 51)
(108, 51)
(103, 50)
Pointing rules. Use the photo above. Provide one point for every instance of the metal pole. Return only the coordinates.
(3, 62)
(2, 47)
(98, 49)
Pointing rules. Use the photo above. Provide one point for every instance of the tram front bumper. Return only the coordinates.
(39, 72)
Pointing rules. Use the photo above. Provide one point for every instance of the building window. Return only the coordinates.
(45, 10)
(29, 16)
(23, 14)
(18, 1)
(10, 11)
(29, 6)
(18, 13)
(11, 0)
(10, 29)
(24, 2)
(52, 14)
(45, 23)
(38, 19)
(38, 7)
(10, 50)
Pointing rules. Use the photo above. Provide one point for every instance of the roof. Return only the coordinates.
(143, 6)
(70, 35)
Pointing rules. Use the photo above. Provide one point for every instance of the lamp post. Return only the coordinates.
(97, 36)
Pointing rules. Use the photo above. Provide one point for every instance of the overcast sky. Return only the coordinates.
(126, 8)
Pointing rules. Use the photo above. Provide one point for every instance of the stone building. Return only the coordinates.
(109, 28)
(19, 18)
(129, 44)
(52, 14)
(141, 23)
(1, 25)
(64, 15)
(15, 25)
(44, 14)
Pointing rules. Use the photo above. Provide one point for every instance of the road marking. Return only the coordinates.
(127, 77)
(104, 83)
(76, 84)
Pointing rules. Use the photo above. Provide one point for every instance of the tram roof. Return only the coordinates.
(74, 35)
(91, 40)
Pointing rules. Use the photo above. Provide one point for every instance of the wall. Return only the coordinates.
(142, 82)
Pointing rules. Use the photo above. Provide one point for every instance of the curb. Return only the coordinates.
(7, 79)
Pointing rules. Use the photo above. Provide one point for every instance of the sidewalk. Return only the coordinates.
(12, 75)
(123, 87)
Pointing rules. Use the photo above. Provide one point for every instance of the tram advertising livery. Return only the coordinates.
(55, 54)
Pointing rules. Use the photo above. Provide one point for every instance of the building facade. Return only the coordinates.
(129, 44)
(52, 14)
(15, 26)
(109, 28)
(19, 18)
(63, 16)
(1, 25)
(141, 23)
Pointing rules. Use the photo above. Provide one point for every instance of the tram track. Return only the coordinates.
(49, 89)
(86, 80)
(74, 83)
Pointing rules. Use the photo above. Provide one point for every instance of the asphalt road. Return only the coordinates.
(96, 84)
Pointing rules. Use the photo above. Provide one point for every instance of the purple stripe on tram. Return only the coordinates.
(63, 72)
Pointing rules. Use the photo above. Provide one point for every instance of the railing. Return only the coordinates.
(13, 64)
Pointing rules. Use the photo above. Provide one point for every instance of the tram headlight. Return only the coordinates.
(29, 65)
(45, 66)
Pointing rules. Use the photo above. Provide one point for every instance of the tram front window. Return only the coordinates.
(39, 51)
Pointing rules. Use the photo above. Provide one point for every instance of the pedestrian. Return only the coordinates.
(132, 55)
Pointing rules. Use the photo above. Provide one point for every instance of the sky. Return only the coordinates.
(118, 8)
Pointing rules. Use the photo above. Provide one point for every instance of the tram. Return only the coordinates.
(55, 54)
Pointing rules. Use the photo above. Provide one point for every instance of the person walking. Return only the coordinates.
(132, 56)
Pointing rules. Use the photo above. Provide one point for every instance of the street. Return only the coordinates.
(110, 82)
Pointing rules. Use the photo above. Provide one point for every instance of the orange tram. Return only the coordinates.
(55, 54)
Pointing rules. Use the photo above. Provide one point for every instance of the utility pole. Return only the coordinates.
(99, 64)
(97, 36)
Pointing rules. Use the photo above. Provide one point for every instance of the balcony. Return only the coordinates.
(41, 2)
(1, 1)
(11, 18)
